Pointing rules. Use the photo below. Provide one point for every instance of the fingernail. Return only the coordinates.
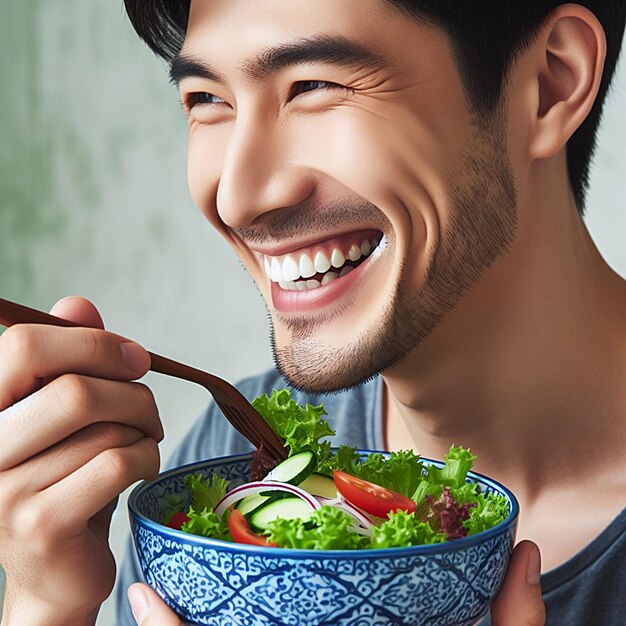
(533, 571)
(135, 357)
(139, 603)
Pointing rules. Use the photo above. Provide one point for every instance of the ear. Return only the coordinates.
(568, 64)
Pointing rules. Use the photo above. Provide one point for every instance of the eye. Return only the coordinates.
(201, 98)
(304, 86)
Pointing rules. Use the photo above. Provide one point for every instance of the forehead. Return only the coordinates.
(241, 28)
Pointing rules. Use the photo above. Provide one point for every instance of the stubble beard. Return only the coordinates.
(482, 227)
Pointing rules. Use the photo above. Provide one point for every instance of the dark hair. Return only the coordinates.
(486, 36)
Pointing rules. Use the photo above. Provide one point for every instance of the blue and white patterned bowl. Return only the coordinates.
(217, 583)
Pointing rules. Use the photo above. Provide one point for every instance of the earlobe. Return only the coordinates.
(570, 58)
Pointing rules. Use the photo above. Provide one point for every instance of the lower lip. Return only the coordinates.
(289, 301)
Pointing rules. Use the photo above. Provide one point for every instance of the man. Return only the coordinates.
(442, 153)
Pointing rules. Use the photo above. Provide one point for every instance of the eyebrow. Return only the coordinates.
(332, 49)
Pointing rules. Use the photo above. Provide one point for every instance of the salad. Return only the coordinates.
(325, 499)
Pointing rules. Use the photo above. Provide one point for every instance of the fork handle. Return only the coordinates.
(13, 313)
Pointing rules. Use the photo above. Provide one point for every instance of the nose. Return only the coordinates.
(259, 173)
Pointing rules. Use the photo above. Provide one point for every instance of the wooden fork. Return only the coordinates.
(238, 411)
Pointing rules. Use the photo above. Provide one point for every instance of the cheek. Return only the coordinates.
(396, 164)
(205, 156)
(388, 156)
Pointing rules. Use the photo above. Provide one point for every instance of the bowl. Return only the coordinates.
(208, 582)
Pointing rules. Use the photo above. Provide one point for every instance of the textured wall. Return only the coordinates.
(93, 199)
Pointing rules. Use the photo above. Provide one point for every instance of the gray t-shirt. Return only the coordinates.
(587, 590)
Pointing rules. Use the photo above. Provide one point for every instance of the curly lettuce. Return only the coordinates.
(302, 428)
(329, 528)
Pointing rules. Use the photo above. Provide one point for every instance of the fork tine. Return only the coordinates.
(263, 435)
(239, 423)
(267, 436)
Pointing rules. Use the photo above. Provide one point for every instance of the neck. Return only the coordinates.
(528, 369)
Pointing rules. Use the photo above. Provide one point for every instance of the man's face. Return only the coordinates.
(331, 145)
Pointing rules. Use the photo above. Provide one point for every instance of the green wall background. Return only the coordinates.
(93, 200)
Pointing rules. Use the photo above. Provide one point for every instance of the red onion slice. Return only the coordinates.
(251, 489)
(350, 509)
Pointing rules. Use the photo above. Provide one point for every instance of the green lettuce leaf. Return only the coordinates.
(206, 492)
(327, 529)
(424, 488)
(207, 524)
(403, 529)
(490, 509)
(400, 471)
(300, 427)
(458, 462)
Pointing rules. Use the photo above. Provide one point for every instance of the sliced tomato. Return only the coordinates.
(372, 498)
(242, 533)
(177, 520)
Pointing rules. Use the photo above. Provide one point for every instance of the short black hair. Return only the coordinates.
(486, 36)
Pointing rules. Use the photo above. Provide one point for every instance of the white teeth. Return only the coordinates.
(346, 270)
(282, 284)
(336, 258)
(290, 268)
(321, 262)
(276, 273)
(301, 285)
(306, 266)
(378, 248)
(354, 254)
(313, 284)
(329, 277)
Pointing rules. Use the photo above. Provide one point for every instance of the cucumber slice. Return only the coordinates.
(319, 485)
(285, 508)
(249, 503)
(294, 469)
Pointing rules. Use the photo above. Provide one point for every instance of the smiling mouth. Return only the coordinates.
(320, 264)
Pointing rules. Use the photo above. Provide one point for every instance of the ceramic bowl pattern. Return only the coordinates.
(215, 583)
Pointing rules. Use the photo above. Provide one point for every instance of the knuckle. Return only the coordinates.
(28, 524)
(19, 341)
(116, 464)
(74, 392)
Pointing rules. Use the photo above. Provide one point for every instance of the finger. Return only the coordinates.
(78, 310)
(67, 505)
(30, 353)
(148, 609)
(59, 461)
(68, 404)
(519, 601)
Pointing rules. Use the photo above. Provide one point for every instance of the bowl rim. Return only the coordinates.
(229, 546)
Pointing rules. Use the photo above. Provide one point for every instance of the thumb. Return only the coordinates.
(78, 310)
(148, 609)
(519, 601)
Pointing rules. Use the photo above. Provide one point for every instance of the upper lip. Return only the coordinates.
(279, 249)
